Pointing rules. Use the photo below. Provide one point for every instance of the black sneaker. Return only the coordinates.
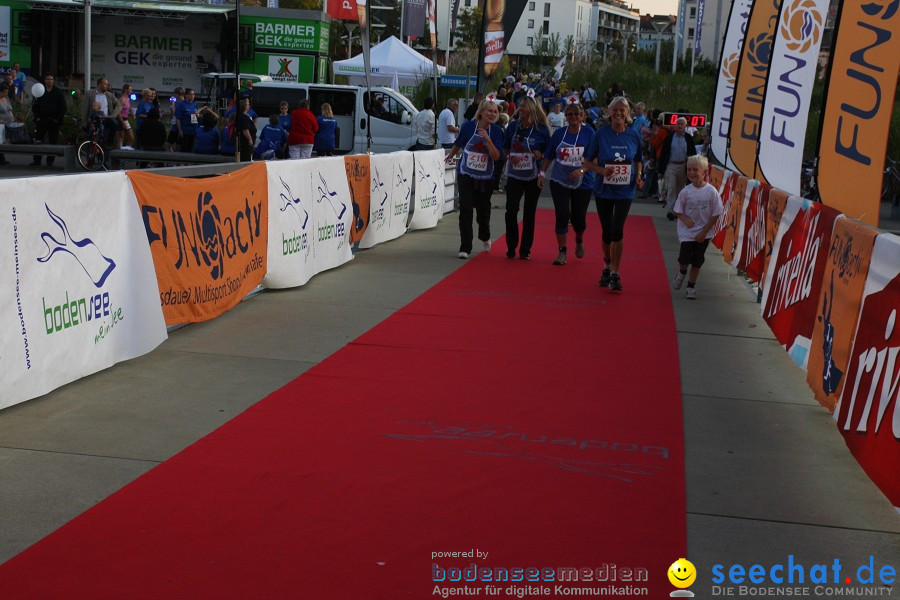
(510, 254)
(525, 256)
(604, 278)
(615, 283)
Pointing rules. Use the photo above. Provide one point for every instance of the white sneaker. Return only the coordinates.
(690, 294)
(463, 255)
(486, 246)
(677, 280)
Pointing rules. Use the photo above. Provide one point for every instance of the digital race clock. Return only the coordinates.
(693, 119)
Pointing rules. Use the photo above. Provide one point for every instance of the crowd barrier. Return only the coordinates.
(830, 293)
(94, 267)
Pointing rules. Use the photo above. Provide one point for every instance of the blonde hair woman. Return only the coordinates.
(525, 141)
(480, 142)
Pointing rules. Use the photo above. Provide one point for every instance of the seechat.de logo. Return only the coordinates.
(801, 25)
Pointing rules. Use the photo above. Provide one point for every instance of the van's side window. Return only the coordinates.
(384, 107)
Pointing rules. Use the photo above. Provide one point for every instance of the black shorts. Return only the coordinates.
(692, 253)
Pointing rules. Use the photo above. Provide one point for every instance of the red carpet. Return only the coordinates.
(515, 409)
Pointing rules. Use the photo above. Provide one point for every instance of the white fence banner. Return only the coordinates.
(429, 207)
(792, 72)
(78, 290)
(728, 67)
(310, 214)
(391, 192)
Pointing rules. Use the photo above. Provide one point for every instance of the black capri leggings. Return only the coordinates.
(612, 218)
(570, 205)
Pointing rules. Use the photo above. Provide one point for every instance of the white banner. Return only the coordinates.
(310, 214)
(728, 68)
(391, 192)
(429, 206)
(792, 72)
(150, 52)
(78, 290)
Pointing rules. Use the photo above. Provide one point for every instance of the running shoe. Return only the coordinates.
(579, 249)
(486, 246)
(677, 280)
(690, 293)
(463, 255)
(560, 259)
(615, 283)
(604, 277)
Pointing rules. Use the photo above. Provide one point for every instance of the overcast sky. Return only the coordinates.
(655, 7)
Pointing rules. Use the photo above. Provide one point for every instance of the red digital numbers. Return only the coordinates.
(692, 119)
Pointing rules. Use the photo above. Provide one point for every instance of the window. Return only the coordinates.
(529, 42)
(530, 23)
(384, 107)
(547, 9)
(546, 28)
(468, 3)
(531, 6)
(693, 11)
(690, 32)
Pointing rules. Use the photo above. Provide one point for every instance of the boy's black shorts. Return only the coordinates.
(691, 253)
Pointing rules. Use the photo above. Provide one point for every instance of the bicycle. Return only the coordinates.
(890, 184)
(90, 153)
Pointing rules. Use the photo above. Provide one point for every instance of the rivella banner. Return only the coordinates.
(501, 17)
(208, 238)
(792, 72)
(868, 414)
(859, 98)
(794, 277)
(79, 291)
(429, 194)
(728, 68)
(310, 213)
(149, 52)
(750, 87)
(732, 191)
(751, 253)
(842, 287)
(390, 194)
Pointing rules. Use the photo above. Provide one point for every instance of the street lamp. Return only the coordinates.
(659, 26)
(351, 27)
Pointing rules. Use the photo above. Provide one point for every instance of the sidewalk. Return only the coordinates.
(767, 472)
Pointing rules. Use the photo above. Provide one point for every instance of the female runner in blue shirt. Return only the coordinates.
(480, 141)
(615, 156)
(524, 142)
(570, 182)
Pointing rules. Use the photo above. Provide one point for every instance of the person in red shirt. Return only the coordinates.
(303, 131)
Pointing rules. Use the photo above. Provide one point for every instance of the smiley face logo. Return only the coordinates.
(682, 573)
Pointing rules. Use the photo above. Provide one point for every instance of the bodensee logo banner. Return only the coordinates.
(429, 207)
(310, 215)
(856, 118)
(728, 68)
(390, 192)
(835, 327)
(868, 414)
(79, 291)
(794, 278)
(208, 238)
(792, 72)
(750, 88)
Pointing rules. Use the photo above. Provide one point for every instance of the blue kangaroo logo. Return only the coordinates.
(380, 184)
(426, 175)
(325, 194)
(96, 266)
(292, 202)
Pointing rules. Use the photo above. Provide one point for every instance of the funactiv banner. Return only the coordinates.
(868, 414)
(310, 214)
(429, 193)
(79, 291)
(859, 98)
(750, 88)
(846, 270)
(734, 228)
(791, 292)
(390, 195)
(751, 257)
(357, 167)
(792, 72)
(728, 68)
(208, 238)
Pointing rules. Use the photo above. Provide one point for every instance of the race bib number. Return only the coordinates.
(521, 161)
(571, 157)
(194, 119)
(477, 161)
(617, 174)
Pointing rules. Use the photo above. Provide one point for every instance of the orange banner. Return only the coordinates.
(856, 119)
(716, 174)
(734, 211)
(774, 210)
(208, 239)
(846, 270)
(725, 192)
(360, 182)
(750, 87)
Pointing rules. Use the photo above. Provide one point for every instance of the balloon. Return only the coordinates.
(37, 90)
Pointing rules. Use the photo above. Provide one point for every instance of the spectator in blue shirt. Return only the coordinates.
(284, 115)
(143, 108)
(272, 139)
(187, 118)
(325, 142)
(226, 139)
(207, 138)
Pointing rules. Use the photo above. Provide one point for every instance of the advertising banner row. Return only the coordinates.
(95, 266)
(830, 293)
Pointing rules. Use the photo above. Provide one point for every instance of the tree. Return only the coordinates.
(468, 28)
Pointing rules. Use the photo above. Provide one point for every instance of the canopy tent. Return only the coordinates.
(390, 58)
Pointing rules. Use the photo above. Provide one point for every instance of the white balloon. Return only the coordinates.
(37, 90)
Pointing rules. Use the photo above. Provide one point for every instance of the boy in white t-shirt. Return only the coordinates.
(697, 208)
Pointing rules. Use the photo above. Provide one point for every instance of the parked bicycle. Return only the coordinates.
(90, 142)
(890, 183)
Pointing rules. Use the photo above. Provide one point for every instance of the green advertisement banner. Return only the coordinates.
(288, 34)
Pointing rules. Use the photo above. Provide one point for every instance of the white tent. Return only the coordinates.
(390, 58)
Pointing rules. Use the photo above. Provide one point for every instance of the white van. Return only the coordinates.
(390, 121)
